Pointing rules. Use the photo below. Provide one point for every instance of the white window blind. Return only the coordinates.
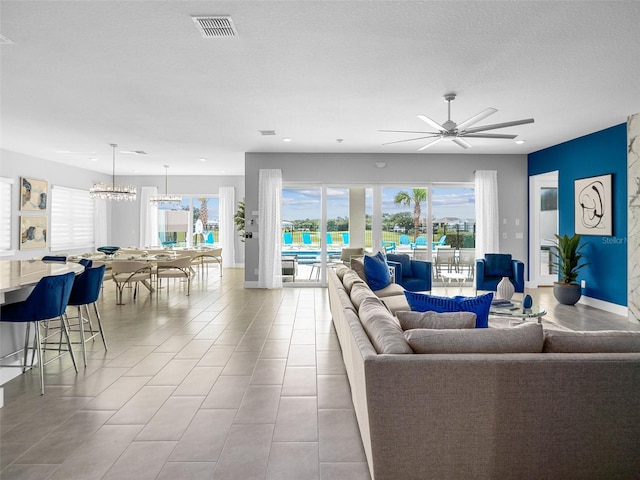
(71, 219)
(6, 194)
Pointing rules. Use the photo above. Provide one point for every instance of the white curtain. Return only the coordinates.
(148, 218)
(487, 216)
(100, 235)
(226, 209)
(269, 228)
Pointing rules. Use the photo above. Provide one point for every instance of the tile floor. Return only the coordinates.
(228, 383)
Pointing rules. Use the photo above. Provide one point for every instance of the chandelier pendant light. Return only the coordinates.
(166, 197)
(103, 191)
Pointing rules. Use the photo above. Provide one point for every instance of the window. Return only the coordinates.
(71, 218)
(198, 215)
(6, 194)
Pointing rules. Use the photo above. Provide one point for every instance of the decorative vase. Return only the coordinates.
(505, 289)
(567, 293)
(527, 302)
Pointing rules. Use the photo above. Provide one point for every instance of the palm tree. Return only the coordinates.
(416, 197)
(204, 214)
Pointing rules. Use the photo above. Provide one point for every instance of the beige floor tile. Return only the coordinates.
(94, 457)
(195, 349)
(28, 472)
(204, 438)
(199, 382)
(339, 436)
(301, 355)
(334, 392)
(293, 460)
(227, 392)
(259, 405)
(269, 371)
(245, 454)
(173, 373)
(344, 471)
(142, 406)
(141, 461)
(131, 356)
(174, 343)
(150, 365)
(171, 420)
(299, 381)
(216, 356)
(118, 393)
(297, 420)
(241, 363)
(186, 471)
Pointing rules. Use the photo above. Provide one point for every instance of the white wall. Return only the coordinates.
(15, 165)
(360, 169)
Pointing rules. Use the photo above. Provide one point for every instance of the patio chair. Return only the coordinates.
(306, 239)
(404, 240)
(345, 238)
(421, 241)
(439, 243)
(210, 239)
(287, 238)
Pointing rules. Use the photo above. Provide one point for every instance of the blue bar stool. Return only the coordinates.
(85, 292)
(47, 301)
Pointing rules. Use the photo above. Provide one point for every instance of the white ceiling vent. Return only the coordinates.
(215, 26)
(267, 132)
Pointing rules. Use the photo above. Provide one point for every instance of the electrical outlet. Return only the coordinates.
(504, 235)
(583, 284)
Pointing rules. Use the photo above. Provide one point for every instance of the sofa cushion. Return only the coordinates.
(524, 338)
(359, 292)
(480, 305)
(435, 320)
(349, 279)
(404, 260)
(395, 303)
(603, 341)
(341, 269)
(348, 252)
(357, 265)
(498, 265)
(376, 271)
(391, 290)
(382, 328)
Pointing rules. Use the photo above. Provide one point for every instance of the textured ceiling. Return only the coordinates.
(81, 75)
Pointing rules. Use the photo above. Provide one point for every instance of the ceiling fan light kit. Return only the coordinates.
(451, 131)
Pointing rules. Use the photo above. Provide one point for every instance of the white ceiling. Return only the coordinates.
(80, 75)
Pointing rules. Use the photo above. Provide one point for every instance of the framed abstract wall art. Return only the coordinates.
(33, 195)
(33, 232)
(594, 212)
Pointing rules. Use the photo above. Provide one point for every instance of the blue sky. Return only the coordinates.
(302, 203)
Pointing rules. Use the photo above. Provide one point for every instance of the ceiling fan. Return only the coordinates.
(457, 133)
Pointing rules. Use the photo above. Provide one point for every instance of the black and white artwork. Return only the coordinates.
(594, 212)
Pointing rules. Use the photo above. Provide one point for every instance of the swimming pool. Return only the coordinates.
(309, 256)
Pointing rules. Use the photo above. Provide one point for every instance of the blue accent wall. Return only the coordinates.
(599, 153)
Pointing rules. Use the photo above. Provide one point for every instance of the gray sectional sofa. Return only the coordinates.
(487, 415)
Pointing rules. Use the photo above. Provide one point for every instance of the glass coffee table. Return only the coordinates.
(516, 311)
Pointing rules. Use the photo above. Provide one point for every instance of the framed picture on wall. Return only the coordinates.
(33, 232)
(593, 205)
(33, 195)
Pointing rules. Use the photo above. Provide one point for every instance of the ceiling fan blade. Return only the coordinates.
(476, 118)
(430, 144)
(486, 135)
(409, 140)
(461, 142)
(433, 123)
(407, 131)
(497, 125)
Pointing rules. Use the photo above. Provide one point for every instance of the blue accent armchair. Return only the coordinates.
(494, 266)
(412, 275)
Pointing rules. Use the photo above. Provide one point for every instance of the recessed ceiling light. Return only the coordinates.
(339, 140)
(381, 164)
(519, 142)
(286, 139)
(93, 159)
(203, 159)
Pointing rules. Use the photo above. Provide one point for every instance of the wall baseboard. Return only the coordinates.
(606, 306)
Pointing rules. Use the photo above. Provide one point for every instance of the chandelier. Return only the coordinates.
(103, 191)
(166, 197)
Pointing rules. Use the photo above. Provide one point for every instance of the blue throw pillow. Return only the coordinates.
(422, 302)
(376, 271)
(498, 265)
(479, 305)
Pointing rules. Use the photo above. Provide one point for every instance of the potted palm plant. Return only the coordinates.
(568, 260)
